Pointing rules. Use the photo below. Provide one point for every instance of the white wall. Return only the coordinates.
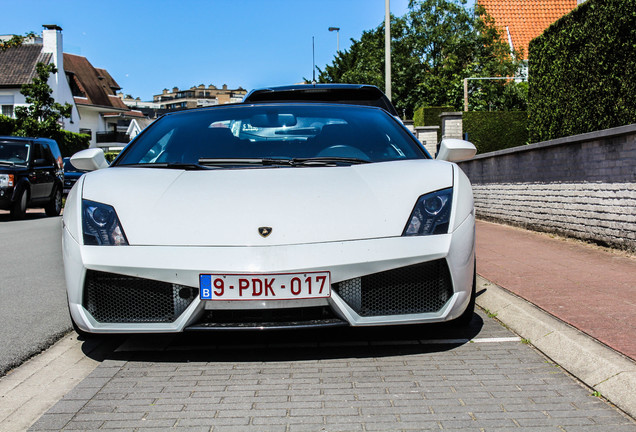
(91, 119)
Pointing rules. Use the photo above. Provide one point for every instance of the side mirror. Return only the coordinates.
(89, 159)
(453, 150)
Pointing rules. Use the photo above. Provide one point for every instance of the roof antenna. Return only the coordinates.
(313, 60)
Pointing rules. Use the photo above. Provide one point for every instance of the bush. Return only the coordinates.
(7, 125)
(429, 116)
(496, 130)
(583, 71)
(111, 155)
(70, 142)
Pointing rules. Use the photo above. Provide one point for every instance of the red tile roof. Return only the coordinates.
(526, 19)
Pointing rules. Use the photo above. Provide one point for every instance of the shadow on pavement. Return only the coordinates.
(5, 216)
(282, 345)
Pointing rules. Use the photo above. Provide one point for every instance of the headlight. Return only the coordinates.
(6, 180)
(431, 214)
(101, 225)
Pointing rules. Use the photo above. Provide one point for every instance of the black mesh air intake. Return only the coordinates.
(113, 298)
(419, 288)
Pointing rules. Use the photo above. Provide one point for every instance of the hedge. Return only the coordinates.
(429, 116)
(111, 155)
(495, 130)
(582, 71)
(7, 125)
(70, 142)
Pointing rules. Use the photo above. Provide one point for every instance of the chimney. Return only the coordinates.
(224, 86)
(52, 43)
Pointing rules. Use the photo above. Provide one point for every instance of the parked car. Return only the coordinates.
(71, 174)
(270, 216)
(31, 175)
(354, 94)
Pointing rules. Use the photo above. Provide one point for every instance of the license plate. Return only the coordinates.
(273, 286)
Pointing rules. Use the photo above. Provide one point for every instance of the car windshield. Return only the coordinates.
(14, 153)
(294, 135)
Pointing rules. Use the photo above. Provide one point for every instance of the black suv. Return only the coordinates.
(352, 94)
(31, 175)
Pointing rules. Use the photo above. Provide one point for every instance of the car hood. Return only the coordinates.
(15, 169)
(226, 207)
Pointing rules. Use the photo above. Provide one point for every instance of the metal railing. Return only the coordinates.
(108, 137)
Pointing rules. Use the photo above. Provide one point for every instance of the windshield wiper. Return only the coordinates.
(327, 161)
(7, 163)
(244, 161)
(314, 161)
(169, 165)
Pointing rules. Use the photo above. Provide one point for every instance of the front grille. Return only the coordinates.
(419, 288)
(113, 298)
(306, 317)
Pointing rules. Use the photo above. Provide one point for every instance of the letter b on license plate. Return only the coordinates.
(274, 286)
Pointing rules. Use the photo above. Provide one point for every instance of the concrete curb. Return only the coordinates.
(600, 367)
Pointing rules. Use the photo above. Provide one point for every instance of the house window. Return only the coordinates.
(7, 105)
(7, 110)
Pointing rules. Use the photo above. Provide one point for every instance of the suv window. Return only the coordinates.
(48, 156)
(14, 152)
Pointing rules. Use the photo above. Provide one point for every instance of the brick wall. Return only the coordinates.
(428, 136)
(451, 124)
(582, 186)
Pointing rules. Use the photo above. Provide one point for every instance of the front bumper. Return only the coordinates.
(6, 198)
(178, 269)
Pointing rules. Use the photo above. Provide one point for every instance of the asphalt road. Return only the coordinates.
(33, 311)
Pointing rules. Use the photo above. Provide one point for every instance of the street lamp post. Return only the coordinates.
(387, 48)
(337, 30)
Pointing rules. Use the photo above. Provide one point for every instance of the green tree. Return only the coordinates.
(14, 41)
(41, 118)
(434, 47)
(363, 62)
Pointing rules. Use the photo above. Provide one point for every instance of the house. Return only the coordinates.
(95, 95)
(198, 97)
(97, 110)
(523, 20)
(123, 127)
(18, 67)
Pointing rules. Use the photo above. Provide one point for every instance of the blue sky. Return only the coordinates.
(151, 45)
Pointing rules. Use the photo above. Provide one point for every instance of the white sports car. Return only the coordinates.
(270, 216)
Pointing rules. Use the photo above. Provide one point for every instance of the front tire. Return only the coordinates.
(54, 208)
(18, 209)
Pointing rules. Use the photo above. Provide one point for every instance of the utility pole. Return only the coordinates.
(387, 48)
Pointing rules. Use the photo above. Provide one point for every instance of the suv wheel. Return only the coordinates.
(18, 209)
(54, 207)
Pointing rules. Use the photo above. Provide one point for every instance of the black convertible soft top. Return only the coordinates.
(351, 94)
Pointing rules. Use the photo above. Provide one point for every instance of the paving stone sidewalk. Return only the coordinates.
(429, 378)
